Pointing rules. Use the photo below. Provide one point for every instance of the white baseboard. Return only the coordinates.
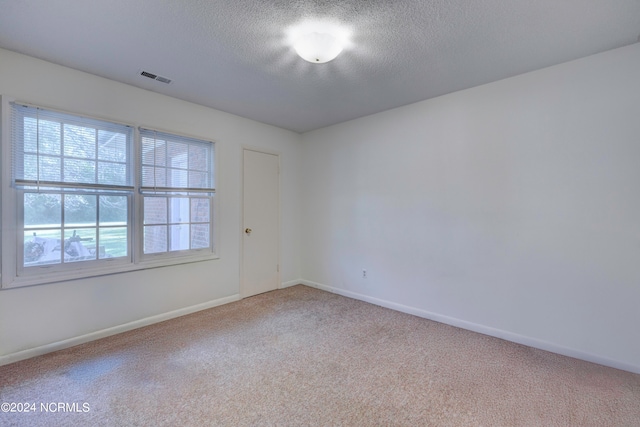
(486, 330)
(48, 348)
(290, 283)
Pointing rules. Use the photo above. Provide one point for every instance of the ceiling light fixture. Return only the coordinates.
(318, 42)
(318, 47)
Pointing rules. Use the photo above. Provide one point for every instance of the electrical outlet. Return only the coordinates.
(364, 274)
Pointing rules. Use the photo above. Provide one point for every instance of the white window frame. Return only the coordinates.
(12, 274)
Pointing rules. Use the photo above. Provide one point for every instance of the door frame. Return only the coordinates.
(276, 153)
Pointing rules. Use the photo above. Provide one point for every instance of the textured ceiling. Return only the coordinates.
(234, 55)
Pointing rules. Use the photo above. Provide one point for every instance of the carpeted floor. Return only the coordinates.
(302, 357)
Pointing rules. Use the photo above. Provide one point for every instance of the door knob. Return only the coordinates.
(247, 230)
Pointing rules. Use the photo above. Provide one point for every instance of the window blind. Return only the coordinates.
(172, 163)
(56, 150)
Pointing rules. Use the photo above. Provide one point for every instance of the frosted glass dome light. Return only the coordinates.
(318, 47)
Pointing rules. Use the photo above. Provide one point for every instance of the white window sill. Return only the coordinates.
(43, 275)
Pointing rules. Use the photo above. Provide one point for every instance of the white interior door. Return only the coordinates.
(260, 232)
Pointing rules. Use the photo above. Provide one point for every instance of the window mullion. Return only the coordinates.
(97, 249)
(62, 229)
(166, 163)
(37, 145)
(62, 162)
(95, 159)
(189, 220)
(168, 222)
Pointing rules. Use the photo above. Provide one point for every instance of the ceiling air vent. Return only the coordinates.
(155, 77)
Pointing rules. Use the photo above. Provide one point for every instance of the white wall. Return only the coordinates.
(41, 318)
(512, 208)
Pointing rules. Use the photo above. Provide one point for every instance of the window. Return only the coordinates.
(82, 205)
(73, 182)
(177, 188)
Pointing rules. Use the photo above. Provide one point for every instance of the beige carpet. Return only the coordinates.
(299, 357)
